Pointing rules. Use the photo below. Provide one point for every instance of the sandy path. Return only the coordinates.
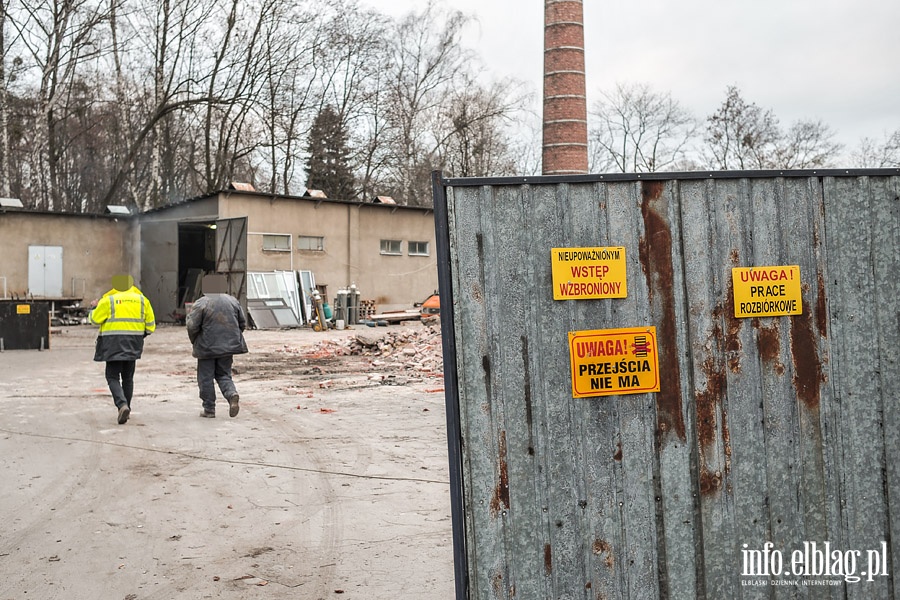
(316, 490)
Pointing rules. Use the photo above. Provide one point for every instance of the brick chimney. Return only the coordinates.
(565, 104)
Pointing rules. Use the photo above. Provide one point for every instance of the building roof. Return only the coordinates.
(270, 197)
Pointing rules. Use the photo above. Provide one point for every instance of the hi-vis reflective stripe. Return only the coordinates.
(112, 311)
(124, 325)
(122, 332)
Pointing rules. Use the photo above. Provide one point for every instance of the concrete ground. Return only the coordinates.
(328, 484)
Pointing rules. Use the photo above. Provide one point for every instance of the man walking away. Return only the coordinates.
(215, 327)
(125, 318)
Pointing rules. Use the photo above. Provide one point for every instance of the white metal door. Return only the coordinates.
(45, 271)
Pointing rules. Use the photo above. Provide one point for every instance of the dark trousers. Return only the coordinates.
(120, 377)
(214, 370)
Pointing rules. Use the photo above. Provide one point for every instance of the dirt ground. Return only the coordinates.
(330, 483)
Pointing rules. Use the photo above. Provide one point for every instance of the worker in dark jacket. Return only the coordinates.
(215, 327)
(125, 318)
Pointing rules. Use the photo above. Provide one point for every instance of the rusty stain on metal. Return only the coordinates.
(733, 346)
(710, 483)
(770, 346)
(805, 356)
(821, 316)
(548, 559)
(477, 296)
(707, 421)
(500, 498)
(601, 547)
(497, 582)
(618, 455)
(707, 400)
(656, 261)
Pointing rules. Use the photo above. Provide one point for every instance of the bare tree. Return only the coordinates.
(202, 72)
(807, 145)
(878, 154)
(4, 105)
(472, 130)
(373, 129)
(351, 64)
(122, 126)
(744, 136)
(238, 74)
(59, 37)
(350, 58)
(289, 96)
(426, 58)
(639, 130)
(525, 142)
(741, 135)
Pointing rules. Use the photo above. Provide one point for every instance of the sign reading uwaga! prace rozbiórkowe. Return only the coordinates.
(588, 273)
(766, 291)
(606, 362)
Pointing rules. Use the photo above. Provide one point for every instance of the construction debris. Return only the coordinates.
(414, 352)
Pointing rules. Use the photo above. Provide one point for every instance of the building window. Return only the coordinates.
(391, 247)
(311, 242)
(277, 242)
(418, 248)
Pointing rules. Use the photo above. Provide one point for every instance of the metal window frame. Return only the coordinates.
(269, 236)
(321, 243)
(399, 251)
(410, 252)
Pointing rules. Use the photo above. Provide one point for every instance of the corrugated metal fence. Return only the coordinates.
(773, 444)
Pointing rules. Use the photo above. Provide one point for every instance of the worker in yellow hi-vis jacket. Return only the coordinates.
(125, 318)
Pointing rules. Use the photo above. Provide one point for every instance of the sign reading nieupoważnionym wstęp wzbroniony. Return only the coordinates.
(588, 273)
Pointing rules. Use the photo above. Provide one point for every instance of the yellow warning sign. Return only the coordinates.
(766, 291)
(606, 362)
(588, 273)
(23, 309)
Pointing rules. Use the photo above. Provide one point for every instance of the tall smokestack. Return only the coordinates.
(565, 104)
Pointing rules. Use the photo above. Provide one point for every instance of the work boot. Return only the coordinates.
(124, 411)
(233, 406)
(208, 415)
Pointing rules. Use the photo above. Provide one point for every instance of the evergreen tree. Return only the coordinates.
(327, 164)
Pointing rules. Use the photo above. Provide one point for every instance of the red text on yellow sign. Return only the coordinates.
(608, 362)
(588, 273)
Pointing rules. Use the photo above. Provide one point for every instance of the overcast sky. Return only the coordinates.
(835, 60)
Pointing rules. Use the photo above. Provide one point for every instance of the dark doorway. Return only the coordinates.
(196, 257)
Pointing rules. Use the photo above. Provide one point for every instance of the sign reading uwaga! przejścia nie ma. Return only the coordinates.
(766, 291)
(588, 273)
(607, 362)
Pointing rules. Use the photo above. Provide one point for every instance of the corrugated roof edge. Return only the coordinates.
(297, 198)
(667, 176)
(52, 213)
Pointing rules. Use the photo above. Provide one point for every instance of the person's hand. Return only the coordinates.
(93, 303)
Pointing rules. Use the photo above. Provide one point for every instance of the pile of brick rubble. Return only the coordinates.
(414, 352)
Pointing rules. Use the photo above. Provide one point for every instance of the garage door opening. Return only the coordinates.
(196, 257)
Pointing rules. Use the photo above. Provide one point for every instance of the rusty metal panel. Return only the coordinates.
(768, 430)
